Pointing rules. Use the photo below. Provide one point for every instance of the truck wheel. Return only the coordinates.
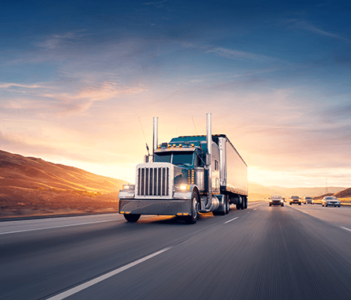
(227, 205)
(245, 202)
(132, 218)
(194, 209)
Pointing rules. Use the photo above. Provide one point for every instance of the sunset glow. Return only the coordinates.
(278, 84)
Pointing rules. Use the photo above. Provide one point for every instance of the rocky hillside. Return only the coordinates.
(32, 186)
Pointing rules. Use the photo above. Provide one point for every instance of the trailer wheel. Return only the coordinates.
(194, 209)
(132, 218)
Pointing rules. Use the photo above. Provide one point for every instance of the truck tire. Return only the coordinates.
(194, 209)
(227, 204)
(132, 218)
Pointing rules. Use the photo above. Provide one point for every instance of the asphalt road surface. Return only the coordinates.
(290, 252)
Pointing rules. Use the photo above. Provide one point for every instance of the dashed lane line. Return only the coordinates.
(61, 226)
(345, 228)
(230, 220)
(89, 283)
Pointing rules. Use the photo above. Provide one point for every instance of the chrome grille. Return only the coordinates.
(153, 181)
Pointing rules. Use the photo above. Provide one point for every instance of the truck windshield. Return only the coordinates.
(183, 158)
(163, 157)
(177, 158)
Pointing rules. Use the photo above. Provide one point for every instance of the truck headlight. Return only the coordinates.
(128, 186)
(183, 187)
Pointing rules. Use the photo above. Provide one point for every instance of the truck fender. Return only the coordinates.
(188, 194)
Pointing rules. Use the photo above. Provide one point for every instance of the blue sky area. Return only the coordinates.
(76, 76)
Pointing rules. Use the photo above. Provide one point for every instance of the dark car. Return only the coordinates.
(276, 200)
(295, 200)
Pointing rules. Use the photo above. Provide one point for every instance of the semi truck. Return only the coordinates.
(187, 176)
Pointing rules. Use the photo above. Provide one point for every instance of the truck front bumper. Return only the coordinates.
(155, 207)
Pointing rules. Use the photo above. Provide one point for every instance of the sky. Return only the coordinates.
(80, 81)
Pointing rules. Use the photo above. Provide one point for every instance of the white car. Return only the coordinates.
(330, 201)
(276, 200)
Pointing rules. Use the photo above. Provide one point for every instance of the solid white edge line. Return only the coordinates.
(89, 283)
(345, 228)
(35, 229)
(231, 220)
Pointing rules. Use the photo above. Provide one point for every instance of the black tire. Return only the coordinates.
(299, 203)
(194, 209)
(282, 205)
(132, 218)
(228, 204)
(326, 205)
(270, 204)
(290, 203)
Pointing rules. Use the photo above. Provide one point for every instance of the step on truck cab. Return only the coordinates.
(187, 176)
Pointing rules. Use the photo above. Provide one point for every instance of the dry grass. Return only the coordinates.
(31, 186)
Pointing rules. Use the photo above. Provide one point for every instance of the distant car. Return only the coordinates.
(330, 201)
(308, 200)
(295, 200)
(276, 200)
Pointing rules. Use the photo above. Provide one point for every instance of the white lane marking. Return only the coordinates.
(231, 220)
(105, 276)
(255, 208)
(34, 229)
(345, 228)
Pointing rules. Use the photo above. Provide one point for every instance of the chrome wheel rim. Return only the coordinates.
(195, 208)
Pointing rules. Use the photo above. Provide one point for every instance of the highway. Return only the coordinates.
(290, 252)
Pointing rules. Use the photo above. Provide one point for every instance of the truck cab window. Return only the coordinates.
(183, 158)
(163, 157)
(216, 165)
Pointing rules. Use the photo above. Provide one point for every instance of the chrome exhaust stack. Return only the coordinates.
(155, 137)
(209, 157)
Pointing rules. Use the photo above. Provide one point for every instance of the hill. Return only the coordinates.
(255, 188)
(346, 193)
(32, 186)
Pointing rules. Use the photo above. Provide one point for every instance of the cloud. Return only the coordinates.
(235, 54)
(71, 103)
(56, 40)
(64, 103)
(304, 25)
(27, 86)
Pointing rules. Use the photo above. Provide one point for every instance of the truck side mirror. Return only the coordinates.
(208, 159)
